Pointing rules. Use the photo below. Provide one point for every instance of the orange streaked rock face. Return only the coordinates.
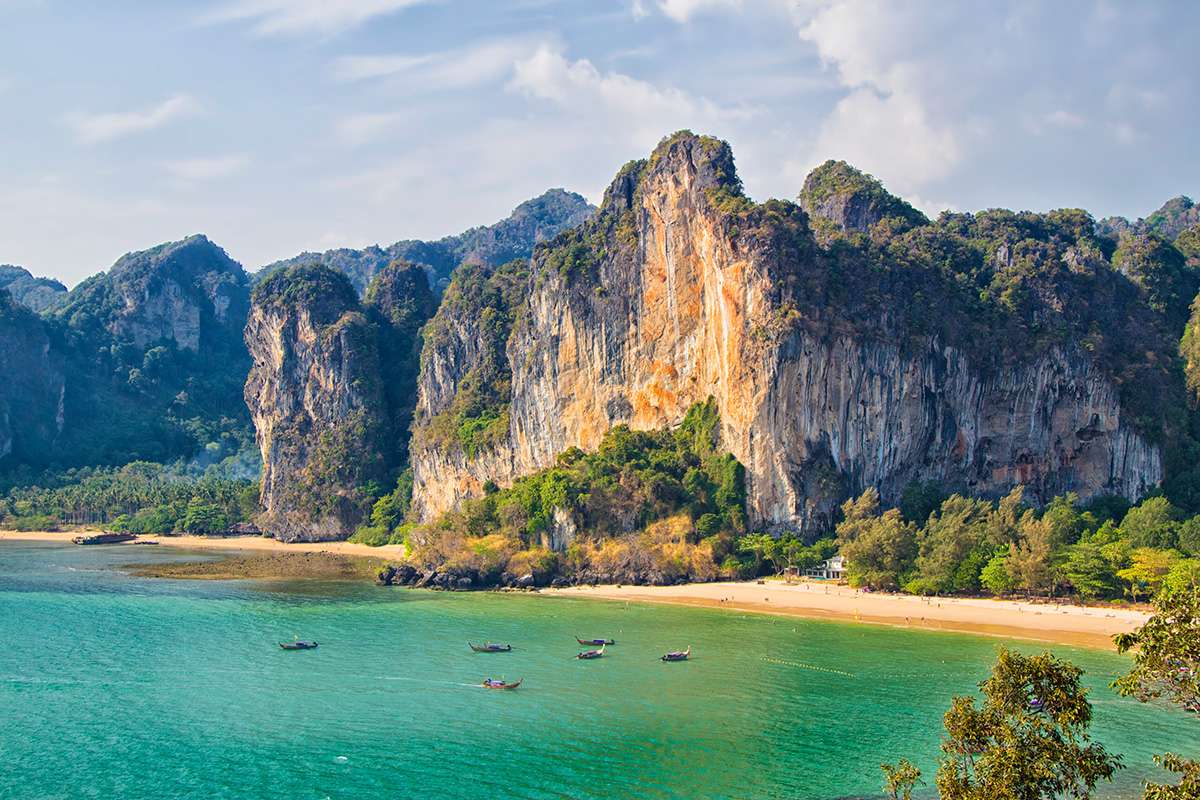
(690, 291)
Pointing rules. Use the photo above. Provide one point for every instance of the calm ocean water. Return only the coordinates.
(116, 687)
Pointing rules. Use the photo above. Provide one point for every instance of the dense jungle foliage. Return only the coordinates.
(1104, 551)
(141, 497)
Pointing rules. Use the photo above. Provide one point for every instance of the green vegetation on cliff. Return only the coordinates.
(654, 505)
(154, 359)
(474, 322)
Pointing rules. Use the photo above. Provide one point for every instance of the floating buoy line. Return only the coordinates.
(802, 665)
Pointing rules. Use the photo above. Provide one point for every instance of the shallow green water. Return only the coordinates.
(112, 687)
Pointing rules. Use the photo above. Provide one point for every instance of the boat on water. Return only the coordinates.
(104, 538)
(298, 645)
(595, 642)
(490, 647)
(492, 683)
(678, 655)
(586, 654)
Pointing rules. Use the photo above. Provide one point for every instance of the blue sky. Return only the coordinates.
(276, 126)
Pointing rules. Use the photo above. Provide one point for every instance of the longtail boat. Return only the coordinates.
(492, 683)
(678, 655)
(300, 645)
(591, 653)
(104, 538)
(488, 647)
(596, 642)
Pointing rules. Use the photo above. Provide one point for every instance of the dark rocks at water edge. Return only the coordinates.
(449, 578)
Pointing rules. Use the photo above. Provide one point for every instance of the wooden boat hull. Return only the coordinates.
(489, 685)
(490, 648)
(589, 654)
(595, 642)
(298, 645)
(678, 655)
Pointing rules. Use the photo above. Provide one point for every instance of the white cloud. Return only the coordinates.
(359, 129)
(614, 100)
(204, 169)
(357, 68)
(891, 136)
(450, 69)
(292, 17)
(1061, 118)
(683, 10)
(92, 128)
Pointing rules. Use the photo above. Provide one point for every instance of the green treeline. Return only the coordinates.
(972, 546)
(140, 498)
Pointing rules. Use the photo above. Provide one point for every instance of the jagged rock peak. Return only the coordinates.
(401, 294)
(851, 199)
(189, 293)
(326, 291)
(710, 158)
(532, 222)
(1172, 219)
(37, 294)
(194, 255)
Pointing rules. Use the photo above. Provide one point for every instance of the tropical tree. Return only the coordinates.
(900, 779)
(1152, 523)
(1146, 572)
(1029, 562)
(1029, 738)
(1166, 664)
(1089, 572)
(995, 578)
(882, 549)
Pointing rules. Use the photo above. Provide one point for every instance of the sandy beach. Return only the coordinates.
(1087, 626)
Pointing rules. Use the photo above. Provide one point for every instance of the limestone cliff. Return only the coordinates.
(317, 402)
(31, 394)
(834, 367)
(156, 358)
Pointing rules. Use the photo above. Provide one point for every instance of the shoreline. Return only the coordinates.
(1083, 626)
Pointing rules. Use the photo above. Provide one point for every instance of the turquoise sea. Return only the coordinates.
(117, 687)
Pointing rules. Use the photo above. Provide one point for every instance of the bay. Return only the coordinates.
(114, 686)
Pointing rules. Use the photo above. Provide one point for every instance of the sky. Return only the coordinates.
(277, 126)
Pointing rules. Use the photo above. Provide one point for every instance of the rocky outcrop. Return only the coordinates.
(1170, 221)
(317, 403)
(31, 394)
(682, 289)
(534, 221)
(37, 294)
(156, 358)
(852, 200)
(180, 292)
(331, 392)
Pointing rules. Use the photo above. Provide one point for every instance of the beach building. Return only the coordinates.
(831, 569)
